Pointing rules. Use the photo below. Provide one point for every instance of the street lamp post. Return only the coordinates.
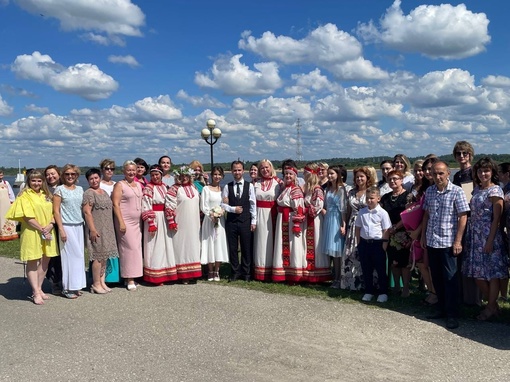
(211, 134)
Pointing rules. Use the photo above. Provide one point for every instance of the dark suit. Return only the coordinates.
(238, 228)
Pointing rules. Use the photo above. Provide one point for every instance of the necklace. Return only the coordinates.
(138, 196)
(395, 197)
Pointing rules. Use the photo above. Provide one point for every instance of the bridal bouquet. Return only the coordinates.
(400, 240)
(216, 213)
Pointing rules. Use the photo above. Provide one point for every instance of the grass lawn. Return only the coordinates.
(411, 305)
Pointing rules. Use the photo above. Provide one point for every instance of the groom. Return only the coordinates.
(240, 204)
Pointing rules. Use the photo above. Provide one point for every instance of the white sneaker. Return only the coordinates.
(367, 297)
(382, 298)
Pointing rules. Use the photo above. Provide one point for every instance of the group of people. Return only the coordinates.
(314, 229)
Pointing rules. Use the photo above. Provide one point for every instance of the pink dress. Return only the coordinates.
(130, 242)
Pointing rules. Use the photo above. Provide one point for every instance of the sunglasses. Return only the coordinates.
(462, 153)
(70, 174)
(109, 168)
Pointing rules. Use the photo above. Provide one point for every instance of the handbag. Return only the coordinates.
(112, 272)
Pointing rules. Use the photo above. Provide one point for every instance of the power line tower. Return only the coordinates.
(299, 152)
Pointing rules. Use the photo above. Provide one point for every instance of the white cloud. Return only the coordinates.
(37, 109)
(5, 109)
(310, 82)
(205, 101)
(234, 78)
(161, 108)
(84, 80)
(437, 31)
(115, 19)
(326, 47)
(496, 81)
(127, 60)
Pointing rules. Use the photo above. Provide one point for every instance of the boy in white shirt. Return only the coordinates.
(372, 225)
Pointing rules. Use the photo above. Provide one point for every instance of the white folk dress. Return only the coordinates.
(289, 256)
(159, 259)
(182, 209)
(266, 192)
(214, 239)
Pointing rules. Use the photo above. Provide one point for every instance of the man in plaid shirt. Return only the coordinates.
(444, 223)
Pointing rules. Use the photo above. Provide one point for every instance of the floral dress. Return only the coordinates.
(478, 264)
(352, 276)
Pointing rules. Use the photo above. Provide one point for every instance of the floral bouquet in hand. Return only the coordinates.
(216, 213)
(400, 239)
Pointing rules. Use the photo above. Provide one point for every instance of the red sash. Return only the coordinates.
(158, 207)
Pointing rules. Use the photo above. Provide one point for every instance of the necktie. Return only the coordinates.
(238, 190)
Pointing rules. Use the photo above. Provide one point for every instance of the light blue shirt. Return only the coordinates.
(70, 206)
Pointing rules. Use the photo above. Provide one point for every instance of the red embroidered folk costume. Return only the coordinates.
(266, 191)
(289, 257)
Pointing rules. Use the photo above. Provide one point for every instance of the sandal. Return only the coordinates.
(69, 294)
(37, 299)
(426, 301)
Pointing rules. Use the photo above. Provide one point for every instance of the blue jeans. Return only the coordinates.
(443, 269)
(372, 256)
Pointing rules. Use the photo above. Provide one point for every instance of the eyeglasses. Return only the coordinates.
(109, 168)
(394, 179)
(70, 174)
(462, 153)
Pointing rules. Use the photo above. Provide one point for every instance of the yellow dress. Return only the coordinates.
(33, 205)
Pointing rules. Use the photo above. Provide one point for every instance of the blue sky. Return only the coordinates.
(81, 80)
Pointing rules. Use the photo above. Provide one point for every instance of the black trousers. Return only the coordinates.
(443, 269)
(239, 232)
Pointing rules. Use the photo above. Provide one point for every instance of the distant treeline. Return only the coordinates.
(350, 163)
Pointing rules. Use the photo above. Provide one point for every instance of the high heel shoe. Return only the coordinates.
(95, 290)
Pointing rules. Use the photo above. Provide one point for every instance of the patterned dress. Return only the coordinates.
(289, 256)
(478, 264)
(105, 246)
(317, 262)
(352, 276)
(7, 227)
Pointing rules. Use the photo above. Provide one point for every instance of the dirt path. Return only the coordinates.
(221, 333)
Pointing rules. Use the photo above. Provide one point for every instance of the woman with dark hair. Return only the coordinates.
(352, 274)
(159, 258)
(54, 274)
(107, 171)
(97, 209)
(402, 164)
(254, 173)
(166, 164)
(142, 169)
(386, 166)
(34, 210)
(67, 201)
(214, 239)
(504, 177)
(398, 249)
(415, 199)
(486, 259)
(335, 217)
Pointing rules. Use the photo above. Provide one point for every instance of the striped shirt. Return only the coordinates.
(444, 208)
